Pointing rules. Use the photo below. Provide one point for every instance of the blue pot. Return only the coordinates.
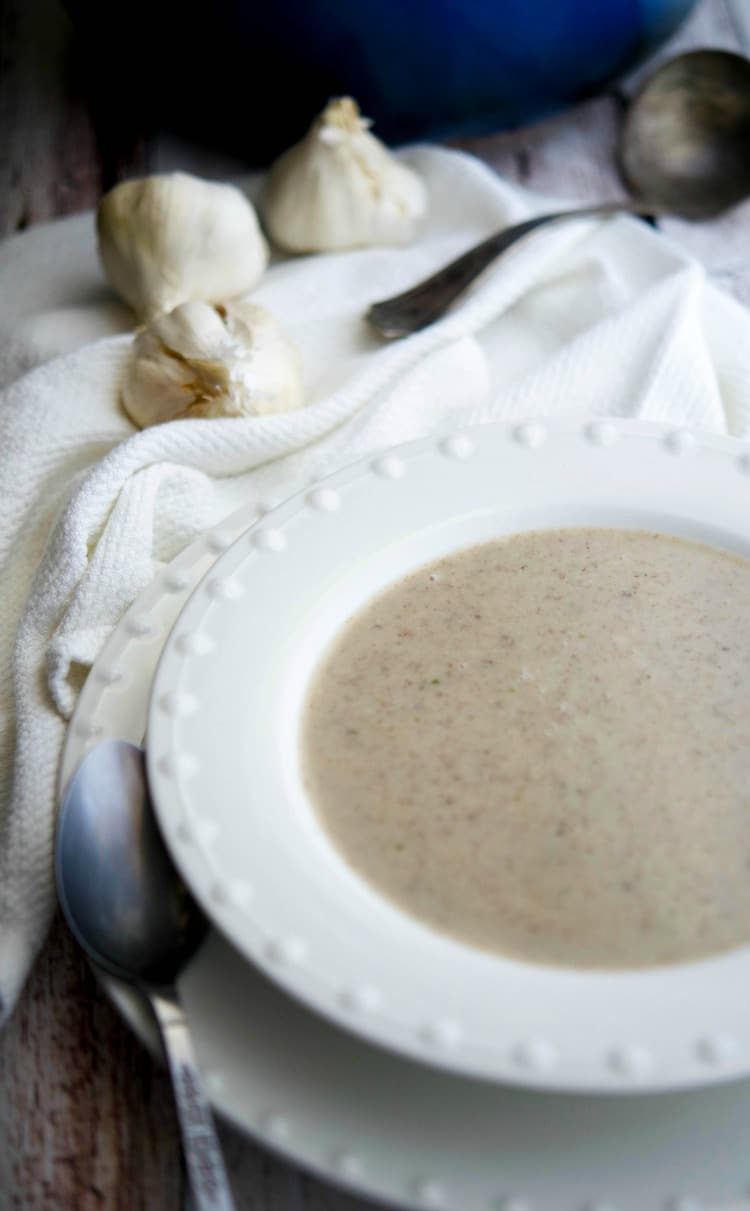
(254, 76)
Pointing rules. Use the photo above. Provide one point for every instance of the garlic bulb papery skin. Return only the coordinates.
(231, 359)
(172, 237)
(340, 188)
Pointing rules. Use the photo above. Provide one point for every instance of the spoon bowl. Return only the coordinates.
(684, 150)
(685, 141)
(122, 897)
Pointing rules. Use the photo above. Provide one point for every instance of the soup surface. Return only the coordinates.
(541, 746)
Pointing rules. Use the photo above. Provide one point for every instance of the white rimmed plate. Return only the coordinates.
(223, 757)
(381, 1125)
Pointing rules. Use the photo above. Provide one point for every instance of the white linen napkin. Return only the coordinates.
(603, 317)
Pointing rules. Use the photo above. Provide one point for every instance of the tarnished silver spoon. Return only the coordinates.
(129, 910)
(684, 150)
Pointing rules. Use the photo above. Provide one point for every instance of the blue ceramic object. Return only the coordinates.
(254, 72)
(431, 68)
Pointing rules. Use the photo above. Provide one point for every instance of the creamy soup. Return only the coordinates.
(541, 746)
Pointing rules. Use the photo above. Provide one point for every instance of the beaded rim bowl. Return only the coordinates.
(224, 771)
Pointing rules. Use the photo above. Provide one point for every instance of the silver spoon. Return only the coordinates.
(684, 149)
(127, 907)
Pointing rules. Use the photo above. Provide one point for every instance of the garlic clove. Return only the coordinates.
(340, 187)
(170, 237)
(230, 359)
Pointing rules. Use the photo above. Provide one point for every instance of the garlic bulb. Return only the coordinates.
(231, 359)
(169, 238)
(340, 187)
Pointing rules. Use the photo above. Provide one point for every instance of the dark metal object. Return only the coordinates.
(129, 910)
(684, 150)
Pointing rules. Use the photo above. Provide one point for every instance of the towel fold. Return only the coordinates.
(602, 317)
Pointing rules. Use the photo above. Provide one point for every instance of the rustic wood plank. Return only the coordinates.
(86, 1117)
(49, 164)
(57, 153)
(569, 156)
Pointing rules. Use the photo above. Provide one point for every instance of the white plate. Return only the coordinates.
(383, 1126)
(223, 758)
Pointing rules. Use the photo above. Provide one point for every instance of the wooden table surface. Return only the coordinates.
(86, 1118)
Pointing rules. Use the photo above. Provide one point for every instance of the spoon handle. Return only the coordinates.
(208, 1177)
(429, 300)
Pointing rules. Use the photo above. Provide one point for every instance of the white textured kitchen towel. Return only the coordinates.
(600, 317)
